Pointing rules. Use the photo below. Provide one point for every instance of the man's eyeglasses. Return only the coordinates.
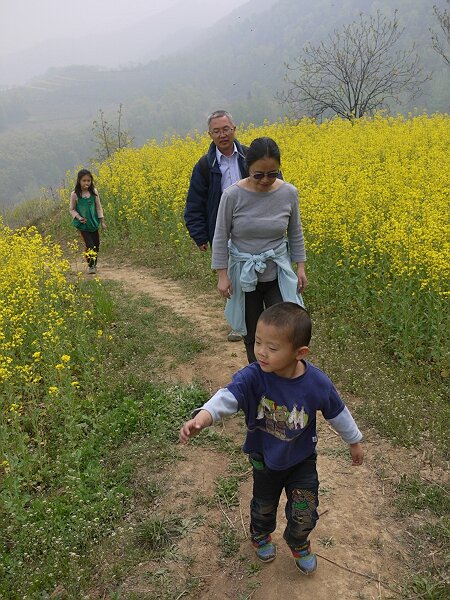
(259, 175)
(225, 130)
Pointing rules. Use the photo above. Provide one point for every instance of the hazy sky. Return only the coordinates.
(27, 22)
(40, 34)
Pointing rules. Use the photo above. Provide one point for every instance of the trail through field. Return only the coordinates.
(360, 544)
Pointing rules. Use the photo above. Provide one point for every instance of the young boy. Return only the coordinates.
(279, 396)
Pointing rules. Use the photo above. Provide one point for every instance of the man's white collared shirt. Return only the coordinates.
(229, 167)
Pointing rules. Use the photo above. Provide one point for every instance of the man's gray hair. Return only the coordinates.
(220, 113)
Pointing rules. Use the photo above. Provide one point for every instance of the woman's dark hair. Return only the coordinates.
(80, 175)
(263, 147)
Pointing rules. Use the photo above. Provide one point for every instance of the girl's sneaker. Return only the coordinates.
(305, 560)
(92, 270)
(265, 549)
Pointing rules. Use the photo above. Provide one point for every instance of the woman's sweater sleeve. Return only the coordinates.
(295, 233)
(219, 258)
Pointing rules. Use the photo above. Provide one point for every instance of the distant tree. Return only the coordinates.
(441, 41)
(109, 137)
(355, 72)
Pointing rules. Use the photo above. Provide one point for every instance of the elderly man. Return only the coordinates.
(221, 166)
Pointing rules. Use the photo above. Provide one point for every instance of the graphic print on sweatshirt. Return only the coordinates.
(279, 421)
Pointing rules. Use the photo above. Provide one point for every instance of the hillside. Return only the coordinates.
(173, 24)
(239, 63)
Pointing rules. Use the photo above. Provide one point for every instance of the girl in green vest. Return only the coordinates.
(87, 213)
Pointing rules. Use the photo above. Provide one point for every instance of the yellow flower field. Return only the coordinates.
(377, 189)
(374, 205)
(36, 306)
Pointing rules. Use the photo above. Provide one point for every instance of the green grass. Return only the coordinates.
(326, 542)
(403, 397)
(167, 587)
(73, 490)
(430, 536)
(253, 569)
(227, 491)
(31, 212)
(340, 453)
(425, 587)
(382, 393)
(388, 396)
(229, 541)
(211, 437)
(158, 534)
(416, 494)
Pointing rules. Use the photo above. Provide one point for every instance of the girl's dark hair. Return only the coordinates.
(81, 174)
(291, 318)
(262, 147)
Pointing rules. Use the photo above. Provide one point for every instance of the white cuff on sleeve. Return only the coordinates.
(222, 404)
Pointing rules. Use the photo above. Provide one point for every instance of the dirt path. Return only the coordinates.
(356, 529)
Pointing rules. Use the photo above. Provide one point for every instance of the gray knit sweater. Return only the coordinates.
(257, 222)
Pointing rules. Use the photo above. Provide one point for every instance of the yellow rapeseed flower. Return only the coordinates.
(376, 189)
(5, 466)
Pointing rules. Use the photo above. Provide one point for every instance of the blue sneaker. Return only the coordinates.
(265, 549)
(305, 560)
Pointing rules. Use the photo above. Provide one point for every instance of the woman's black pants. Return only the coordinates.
(266, 294)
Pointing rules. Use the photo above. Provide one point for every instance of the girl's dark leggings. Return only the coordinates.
(92, 242)
(266, 294)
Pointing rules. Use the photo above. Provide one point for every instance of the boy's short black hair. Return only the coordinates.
(291, 317)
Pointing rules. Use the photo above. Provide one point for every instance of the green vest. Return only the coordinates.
(87, 209)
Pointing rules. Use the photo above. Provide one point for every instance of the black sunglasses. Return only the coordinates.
(271, 175)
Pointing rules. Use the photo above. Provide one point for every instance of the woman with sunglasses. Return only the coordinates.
(257, 237)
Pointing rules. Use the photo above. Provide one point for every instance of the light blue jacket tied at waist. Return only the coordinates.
(243, 269)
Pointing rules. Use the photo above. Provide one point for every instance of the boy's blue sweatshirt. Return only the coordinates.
(280, 413)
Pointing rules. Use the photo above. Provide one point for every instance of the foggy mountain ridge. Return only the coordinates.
(170, 30)
(236, 64)
(72, 94)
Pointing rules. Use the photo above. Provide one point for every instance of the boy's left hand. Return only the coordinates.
(104, 225)
(357, 452)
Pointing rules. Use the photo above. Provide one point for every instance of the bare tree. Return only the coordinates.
(355, 72)
(441, 43)
(108, 137)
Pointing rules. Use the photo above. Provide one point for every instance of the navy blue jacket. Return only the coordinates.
(203, 198)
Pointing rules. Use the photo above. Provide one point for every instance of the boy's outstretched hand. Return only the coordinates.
(193, 427)
(357, 452)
